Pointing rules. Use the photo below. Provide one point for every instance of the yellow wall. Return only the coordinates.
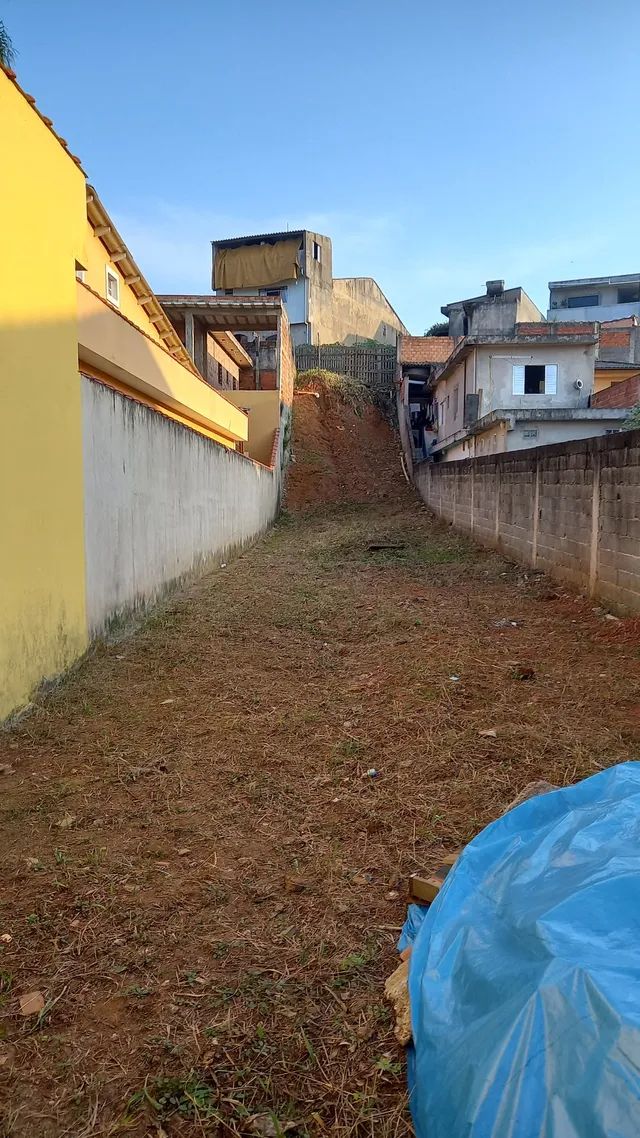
(264, 418)
(42, 589)
(108, 343)
(605, 377)
(220, 356)
(96, 259)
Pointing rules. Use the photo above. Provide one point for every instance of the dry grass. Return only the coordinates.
(198, 874)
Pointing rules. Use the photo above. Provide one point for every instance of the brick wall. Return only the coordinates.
(555, 328)
(287, 363)
(572, 510)
(623, 394)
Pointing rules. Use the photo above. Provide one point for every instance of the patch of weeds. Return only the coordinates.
(387, 1066)
(33, 920)
(188, 1096)
(218, 893)
(60, 857)
(220, 949)
(351, 966)
(167, 1045)
(191, 977)
(350, 748)
(138, 992)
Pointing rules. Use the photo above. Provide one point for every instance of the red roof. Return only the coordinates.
(425, 349)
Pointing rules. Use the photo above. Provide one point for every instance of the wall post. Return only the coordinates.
(536, 513)
(595, 525)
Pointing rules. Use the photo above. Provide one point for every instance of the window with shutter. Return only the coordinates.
(551, 379)
(518, 379)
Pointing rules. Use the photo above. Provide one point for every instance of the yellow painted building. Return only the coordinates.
(71, 299)
(43, 219)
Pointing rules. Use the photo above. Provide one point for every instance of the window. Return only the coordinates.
(281, 292)
(583, 301)
(629, 294)
(81, 272)
(535, 379)
(455, 400)
(316, 251)
(112, 286)
(228, 292)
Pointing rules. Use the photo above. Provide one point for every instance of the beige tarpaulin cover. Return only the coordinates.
(248, 266)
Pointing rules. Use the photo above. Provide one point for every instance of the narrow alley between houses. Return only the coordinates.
(207, 827)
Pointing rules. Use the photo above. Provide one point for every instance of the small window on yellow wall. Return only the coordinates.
(112, 286)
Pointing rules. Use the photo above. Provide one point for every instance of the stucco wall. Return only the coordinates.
(355, 308)
(109, 343)
(43, 213)
(160, 502)
(572, 510)
(495, 375)
(263, 409)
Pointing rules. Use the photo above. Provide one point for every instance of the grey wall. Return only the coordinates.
(572, 510)
(160, 502)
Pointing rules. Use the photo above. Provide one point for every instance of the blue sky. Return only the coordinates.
(438, 145)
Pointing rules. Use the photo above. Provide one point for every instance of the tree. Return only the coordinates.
(440, 328)
(7, 50)
(633, 422)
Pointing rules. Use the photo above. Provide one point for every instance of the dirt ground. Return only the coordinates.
(199, 875)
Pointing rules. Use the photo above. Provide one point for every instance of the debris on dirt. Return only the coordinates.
(523, 672)
(372, 773)
(32, 1003)
(530, 791)
(6, 938)
(455, 679)
(376, 547)
(489, 733)
(504, 623)
(66, 821)
(294, 884)
(396, 991)
(6, 768)
(269, 1127)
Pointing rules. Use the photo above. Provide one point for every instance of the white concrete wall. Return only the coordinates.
(494, 375)
(594, 312)
(160, 502)
(555, 432)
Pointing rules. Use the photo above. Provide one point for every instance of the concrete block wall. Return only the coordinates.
(160, 503)
(572, 510)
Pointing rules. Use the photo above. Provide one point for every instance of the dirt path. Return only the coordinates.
(198, 873)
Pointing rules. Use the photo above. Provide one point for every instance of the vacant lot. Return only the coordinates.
(199, 874)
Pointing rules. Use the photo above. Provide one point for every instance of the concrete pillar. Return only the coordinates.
(536, 512)
(595, 525)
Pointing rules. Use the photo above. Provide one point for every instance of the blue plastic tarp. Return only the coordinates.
(524, 979)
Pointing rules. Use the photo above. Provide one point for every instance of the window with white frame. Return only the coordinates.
(535, 379)
(112, 286)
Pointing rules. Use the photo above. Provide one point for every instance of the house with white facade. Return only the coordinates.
(594, 298)
(510, 384)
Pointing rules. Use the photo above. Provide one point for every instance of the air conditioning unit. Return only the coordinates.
(578, 384)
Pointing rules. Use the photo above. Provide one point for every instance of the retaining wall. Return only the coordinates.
(572, 510)
(160, 502)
